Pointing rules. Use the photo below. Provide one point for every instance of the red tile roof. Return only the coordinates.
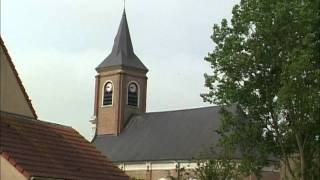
(42, 149)
(17, 77)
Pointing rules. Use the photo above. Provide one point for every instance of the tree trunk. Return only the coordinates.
(301, 155)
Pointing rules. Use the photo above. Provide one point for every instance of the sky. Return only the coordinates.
(56, 45)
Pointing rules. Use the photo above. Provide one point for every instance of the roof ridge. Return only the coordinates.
(22, 117)
(179, 110)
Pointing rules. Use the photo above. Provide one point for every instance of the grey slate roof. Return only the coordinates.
(122, 52)
(172, 135)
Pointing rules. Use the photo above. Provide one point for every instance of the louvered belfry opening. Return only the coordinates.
(108, 91)
(133, 94)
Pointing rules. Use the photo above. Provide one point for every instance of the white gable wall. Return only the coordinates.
(12, 98)
(9, 172)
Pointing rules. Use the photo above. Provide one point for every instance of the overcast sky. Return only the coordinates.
(56, 44)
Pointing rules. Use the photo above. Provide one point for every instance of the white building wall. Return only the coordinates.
(9, 172)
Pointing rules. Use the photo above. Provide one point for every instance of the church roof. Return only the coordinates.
(42, 149)
(122, 52)
(172, 135)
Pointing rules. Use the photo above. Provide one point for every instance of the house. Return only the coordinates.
(39, 150)
(14, 98)
(147, 145)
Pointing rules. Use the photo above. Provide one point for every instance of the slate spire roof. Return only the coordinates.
(122, 52)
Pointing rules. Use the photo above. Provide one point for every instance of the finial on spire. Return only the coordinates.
(124, 5)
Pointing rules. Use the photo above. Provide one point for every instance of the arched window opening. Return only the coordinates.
(107, 96)
(133, 92)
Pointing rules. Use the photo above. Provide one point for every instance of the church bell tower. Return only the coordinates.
(121, 85)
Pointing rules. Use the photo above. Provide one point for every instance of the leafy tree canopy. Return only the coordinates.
(267, 62)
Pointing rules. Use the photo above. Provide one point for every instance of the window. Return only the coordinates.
(107, 94)
(133, 91)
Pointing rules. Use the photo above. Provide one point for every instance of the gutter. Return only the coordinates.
(44, 178)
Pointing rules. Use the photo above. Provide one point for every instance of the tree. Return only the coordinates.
(267, 62)
(220, 167)
(217, 169)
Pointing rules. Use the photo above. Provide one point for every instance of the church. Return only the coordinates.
(151, 146)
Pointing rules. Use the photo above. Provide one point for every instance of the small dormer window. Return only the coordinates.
(107, 94)
(133, 92)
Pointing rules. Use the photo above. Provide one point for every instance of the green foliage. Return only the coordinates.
(216, 170)
(223, 167)
(267, 62)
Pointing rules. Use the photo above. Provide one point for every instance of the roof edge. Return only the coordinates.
(179, 110)
(11, 160)
(45, 178)
(18, 78)
(22, 117)
(177, 160)
(99, 69)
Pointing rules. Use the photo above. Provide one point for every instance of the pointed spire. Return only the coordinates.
(122, 42)
(122, 52)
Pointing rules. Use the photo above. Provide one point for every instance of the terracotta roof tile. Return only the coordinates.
(42, 149)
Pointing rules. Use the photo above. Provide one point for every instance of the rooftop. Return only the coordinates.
(171, 135)
(42, 149)
(122, 54)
